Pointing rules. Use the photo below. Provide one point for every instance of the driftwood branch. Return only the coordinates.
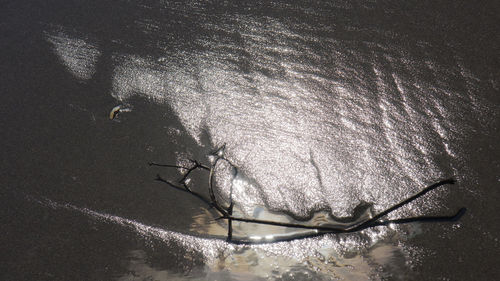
(226, 213)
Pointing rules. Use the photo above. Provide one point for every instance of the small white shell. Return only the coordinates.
(114, 112)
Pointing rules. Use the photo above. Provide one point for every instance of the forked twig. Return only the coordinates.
(226, 213)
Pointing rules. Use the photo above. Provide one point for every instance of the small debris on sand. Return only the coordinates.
(114, 112)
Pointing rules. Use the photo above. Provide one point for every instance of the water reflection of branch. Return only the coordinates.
(226, 213)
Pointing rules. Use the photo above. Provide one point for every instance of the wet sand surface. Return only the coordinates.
(321, 107)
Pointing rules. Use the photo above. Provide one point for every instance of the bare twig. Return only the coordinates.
(227, 213)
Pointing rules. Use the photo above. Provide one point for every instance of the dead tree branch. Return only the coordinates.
(226, 213)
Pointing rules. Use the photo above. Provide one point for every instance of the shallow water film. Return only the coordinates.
(328, 112)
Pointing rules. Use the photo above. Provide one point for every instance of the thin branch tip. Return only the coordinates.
(449, 181)
(459, 214)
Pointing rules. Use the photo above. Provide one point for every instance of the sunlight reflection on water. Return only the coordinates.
(327, 256)
(313, 124)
